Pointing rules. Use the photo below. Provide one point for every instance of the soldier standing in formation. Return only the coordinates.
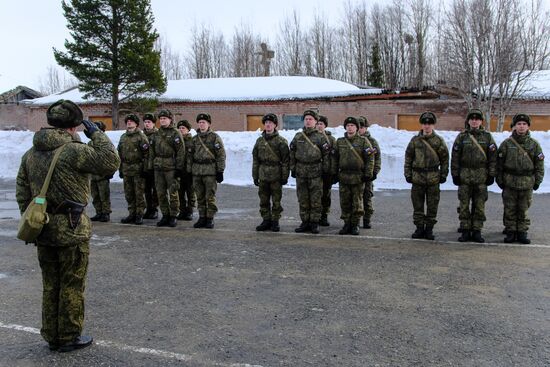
(352, 166)
(520, 170)
(270, 170)
(167, 156)
(206, 162)
(309, 160)
(321, 125)
(63, 245)
(101, 191)
(133, 149)
(426, 167)
(151, 200)
(368, 194)
(186, 193)
(473, 169)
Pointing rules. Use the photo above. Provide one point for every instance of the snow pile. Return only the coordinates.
(238, 146)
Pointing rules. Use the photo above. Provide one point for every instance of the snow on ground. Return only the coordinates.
(238, 146)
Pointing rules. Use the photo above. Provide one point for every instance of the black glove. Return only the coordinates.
(409, 180)
(219, 177)
(143, 174)
(442, 180)
(456, 180)
(256, 182)
(108, 177)
(490, 180)
(536, 187)
(335, 179)
(292, 174)
(120, 174)
(374, 177)
(89, 128)
(365, 178)
(284, 181)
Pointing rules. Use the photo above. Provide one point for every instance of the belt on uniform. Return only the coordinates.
(206, 161)
(517, 173)
(309, 163)
(429, 169)
(265, 163)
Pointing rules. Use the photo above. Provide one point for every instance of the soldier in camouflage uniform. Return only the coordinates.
(309, 160)
(368, 194)
(133, 149)
(101, 192)
(186, 193)
(321, 125)
(352, 166)
(166, 157)
(206, 162)
(426, 167)
(270, 170)
(63, 245)
(473, 169)
(520, 170)
(151, 199)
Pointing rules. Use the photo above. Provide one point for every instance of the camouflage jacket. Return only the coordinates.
(95, 177)
(206, 155)
(270, 158)
(309, 160)
(70, 179)
(331, 140)
(516, 169)
(346, 164)
(188, 141)
(377, 153)
(468, 161)
(133, 149)
(167, 150)
(424, 166)
(150, 133)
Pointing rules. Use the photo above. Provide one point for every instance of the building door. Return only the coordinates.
(408, 122)
(107, 120)
(254, 122)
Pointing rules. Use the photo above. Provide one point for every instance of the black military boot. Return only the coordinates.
(275, 226)
(476, 236)
(139, 220)
(465, 237)
(181, 215)
(345, 229)
(151, 214)
(428, 233)
(314, 228)
(188, 214)
(522, 238)
(129, 219)
(163, 222)
(419, 233)
(510, 237)
(81, 341)
(200, 223)
(96, 217)
(105, 217)
(172, 221)
(209, 223)
(324, 221)
(366, 223)
(264, 226)
(354, 229)
(304, 226)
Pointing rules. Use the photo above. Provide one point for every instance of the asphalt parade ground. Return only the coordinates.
(232, 296)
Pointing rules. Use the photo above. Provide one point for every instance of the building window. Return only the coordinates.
(292, 122)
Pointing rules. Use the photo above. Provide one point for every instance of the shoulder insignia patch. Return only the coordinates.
(145, 146)
(540, 157)
(217, 146)
(326, 146)
(177, 140)
(492, 147)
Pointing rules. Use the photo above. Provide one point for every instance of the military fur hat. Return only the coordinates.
(204, 116)
(475, 113)
(270, 117)
(428, 118)
(363, 122)
(165, 113)
(132, 117)
(323, 119)
(351, 120)
(311, 113)
(185, 123)
(521, 117)
(100, 125)
(150, 117)
(64, 114)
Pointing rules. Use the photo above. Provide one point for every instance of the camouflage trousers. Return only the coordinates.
(428, 194)
(167, 192)
(309, 192)
(205, 188)
(63, 280)
(351, 203)
(474, 217)
(101, 196)
(516, 205)
(186, 193)
(133, 192)
(325, 198)
(270, 192)
(151, 199)
(368, 193)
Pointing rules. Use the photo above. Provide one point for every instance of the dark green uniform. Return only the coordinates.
(62, 250)
(368, 193)
(426, 167)
(133, 149)
(473, 166)
(308, 162)
(186, 193)
(517, 174)
(354, 168)
(151, 199)
(206, 158)
(327, 180)
(167, 155)
(100, 191)
(270, 169)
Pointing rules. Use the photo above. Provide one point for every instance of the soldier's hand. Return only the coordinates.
(456, 180)
(536, 187)
(292, 174)
(89, 128)
(374, 177)
(284, 181)
(490, 180)
(335, 179)
(120, 174)
(365, 178)
(108, 177)
(409, 180)
(256, 182)
(442, 180)
(143, 174)
(219, 177)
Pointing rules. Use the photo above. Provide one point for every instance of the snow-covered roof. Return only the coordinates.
(274, 88)
(537, 86)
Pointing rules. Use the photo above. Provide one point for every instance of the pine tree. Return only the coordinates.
(376, 77)
(111, 52)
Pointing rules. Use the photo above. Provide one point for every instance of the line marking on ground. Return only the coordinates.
(142, 350)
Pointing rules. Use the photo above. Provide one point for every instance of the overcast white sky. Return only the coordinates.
(31, 28)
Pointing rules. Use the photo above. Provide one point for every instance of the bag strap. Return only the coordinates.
(50, 171)
(430, 147)
(355, 152)
(477, 145)
(205, 147)
(310, 142)
(519, 147)
(271, 149)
